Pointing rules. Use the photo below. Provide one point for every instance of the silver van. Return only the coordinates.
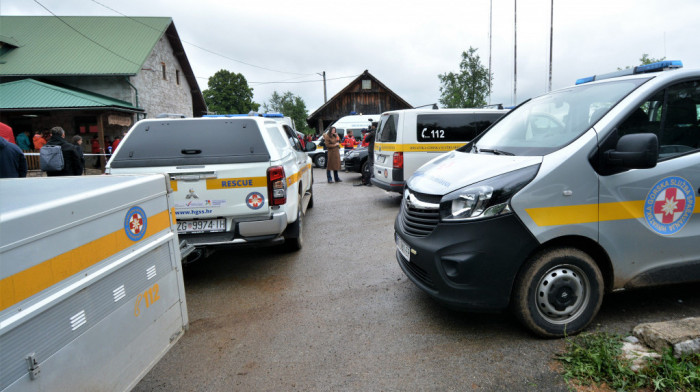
(579, 192)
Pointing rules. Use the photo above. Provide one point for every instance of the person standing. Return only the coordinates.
(13, 164)
(23, 141)
(71, 159)
(332, 141)
(78, 143)
(38, 140)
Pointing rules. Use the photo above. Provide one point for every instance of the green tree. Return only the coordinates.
(291, 106)
(645, 60)
(228, 93)
(469, 87)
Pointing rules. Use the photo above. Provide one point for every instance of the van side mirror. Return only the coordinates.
(634, 151)
(310, 146)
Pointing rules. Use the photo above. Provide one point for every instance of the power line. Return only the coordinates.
(305, 81)
(202, 48)
(86, 37)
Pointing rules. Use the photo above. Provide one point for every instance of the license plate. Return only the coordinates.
(403, 248)
(201, 226)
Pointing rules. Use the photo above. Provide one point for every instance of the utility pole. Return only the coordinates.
(515, 53)
(551, 35)
(325, 97)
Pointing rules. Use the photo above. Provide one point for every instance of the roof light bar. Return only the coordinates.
(653, 67)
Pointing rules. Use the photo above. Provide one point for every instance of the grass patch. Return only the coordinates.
(596, 358)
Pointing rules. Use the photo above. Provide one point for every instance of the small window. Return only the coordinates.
(162, 67)
(387, 128)
(367, 84)
(177, 76)
(431, 128)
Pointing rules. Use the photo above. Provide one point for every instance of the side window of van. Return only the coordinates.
(293, 139)
(673, 115)
(278, 139)
(457, 127)
(387, 128)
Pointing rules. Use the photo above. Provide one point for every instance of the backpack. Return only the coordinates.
(51, 158)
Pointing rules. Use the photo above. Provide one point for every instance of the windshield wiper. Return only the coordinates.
(494, 151)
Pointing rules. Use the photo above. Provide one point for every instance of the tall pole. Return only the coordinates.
(325, 97)
(490, 39)
(515, 53)
(551, 38)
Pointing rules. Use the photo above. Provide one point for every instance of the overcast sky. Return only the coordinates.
(406, 44)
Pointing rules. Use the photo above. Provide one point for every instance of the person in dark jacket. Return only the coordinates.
(13, 164)
(78, 143)
(71, 159)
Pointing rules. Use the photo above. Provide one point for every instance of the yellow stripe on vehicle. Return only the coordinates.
(589, 213)
(297, 176)
(234, 183)
(24, 284)
(421, 147)
(173, 184)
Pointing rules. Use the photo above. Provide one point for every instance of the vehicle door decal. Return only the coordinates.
(422, 147)
(669, 205)
(588, 213)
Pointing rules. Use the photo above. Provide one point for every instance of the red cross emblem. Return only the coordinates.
(669, 205)
(255, 200)
(135, 223)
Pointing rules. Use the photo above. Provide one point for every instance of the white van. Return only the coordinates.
(355, 123)
(407, 139)
(579, 192)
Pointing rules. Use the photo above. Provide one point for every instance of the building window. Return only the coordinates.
(367, 84)
(162, 66)
(177, 76)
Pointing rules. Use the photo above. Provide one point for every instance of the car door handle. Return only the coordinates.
(191, 152)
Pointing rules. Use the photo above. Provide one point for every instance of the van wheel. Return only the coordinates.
(558, 293)
(320, 160)
(296, 239)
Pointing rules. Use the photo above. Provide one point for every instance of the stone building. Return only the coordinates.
(94, 76)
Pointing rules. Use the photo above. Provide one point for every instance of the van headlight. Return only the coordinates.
(486, 198)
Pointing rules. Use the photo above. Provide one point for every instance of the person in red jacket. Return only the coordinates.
(349, 142)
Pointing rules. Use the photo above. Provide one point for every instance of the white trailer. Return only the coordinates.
(91, 287)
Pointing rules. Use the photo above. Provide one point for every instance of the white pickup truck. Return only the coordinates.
(236, 181)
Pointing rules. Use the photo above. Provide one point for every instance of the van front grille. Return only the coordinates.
(421, 214)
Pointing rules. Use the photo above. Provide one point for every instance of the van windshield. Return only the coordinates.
(549, 122)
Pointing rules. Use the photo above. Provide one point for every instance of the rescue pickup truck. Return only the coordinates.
(91, 287)
(237, 181)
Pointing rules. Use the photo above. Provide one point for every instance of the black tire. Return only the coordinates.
(558, 293)
(365, 170)
(311, 199)
(296, 241)
(320, 160)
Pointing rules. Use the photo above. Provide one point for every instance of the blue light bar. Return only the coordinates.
(225, 115)
(653, 67)
(279, 115)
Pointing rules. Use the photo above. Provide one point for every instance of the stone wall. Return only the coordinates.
(160, 93)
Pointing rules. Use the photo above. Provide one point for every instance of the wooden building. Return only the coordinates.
(364, 95)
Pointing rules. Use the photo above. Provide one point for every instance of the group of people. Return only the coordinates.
(332, 144)
(13, 163)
